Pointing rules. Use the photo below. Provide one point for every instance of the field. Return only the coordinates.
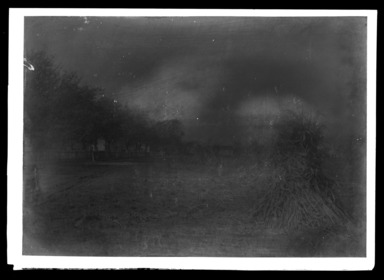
(161, 209)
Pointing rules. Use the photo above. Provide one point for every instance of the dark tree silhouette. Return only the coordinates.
(169, 131)
(40, 89)
(60, 111)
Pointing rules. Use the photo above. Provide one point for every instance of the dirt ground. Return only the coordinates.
(155, 209)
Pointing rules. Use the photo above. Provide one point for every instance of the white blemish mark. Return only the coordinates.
(86, 21)
(197, 118)
(28, 65)
(213, 40)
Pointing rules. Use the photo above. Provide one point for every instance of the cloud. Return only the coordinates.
(179, 89)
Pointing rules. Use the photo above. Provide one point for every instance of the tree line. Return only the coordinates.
(60, 110)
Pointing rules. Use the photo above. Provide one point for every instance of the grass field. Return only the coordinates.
(158, 209)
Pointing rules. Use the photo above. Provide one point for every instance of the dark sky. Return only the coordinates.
(212, 72)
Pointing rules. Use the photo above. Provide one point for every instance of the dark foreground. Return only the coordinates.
(162, 209)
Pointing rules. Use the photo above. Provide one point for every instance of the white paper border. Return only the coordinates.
(15, 159)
